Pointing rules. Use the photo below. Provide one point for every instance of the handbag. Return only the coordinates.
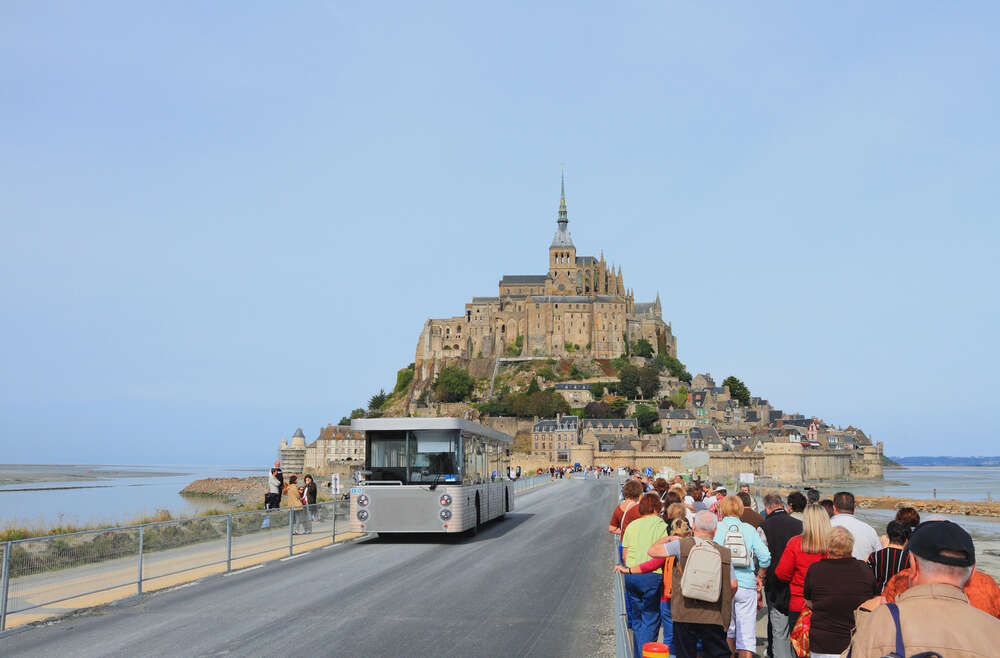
(800, 634)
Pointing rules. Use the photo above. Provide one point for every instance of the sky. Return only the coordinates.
(223, 221)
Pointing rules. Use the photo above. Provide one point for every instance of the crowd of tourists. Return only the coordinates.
(700, 565)
(300, 497)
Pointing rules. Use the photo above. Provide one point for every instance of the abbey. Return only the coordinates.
(579, 308)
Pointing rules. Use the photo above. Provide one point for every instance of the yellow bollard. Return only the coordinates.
(655, 650)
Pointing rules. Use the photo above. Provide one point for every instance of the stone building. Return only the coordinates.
(579, 307)
(577, 395)
(335, 444)
(554, 437)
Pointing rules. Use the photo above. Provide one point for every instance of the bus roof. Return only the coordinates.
(403, 424)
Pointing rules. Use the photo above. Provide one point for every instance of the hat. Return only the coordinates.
(277, 464)
(932, 537)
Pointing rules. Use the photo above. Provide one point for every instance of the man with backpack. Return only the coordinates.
(701, 592)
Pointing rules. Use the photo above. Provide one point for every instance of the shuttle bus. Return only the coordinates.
(443, 475)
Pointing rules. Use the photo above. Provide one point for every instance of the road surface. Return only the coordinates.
(535, 584)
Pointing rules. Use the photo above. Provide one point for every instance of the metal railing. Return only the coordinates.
(623, 638)
(93, 567)
(529, 481)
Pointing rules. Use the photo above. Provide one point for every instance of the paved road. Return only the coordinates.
(535, 584)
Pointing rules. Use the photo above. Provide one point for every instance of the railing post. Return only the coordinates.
(291, 513)
(8, 548)
(229, 543)
(333, 532)
(140, 559)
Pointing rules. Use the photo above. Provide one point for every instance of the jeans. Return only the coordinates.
(666, 623)
(711, 636)
(781, 646)
(642, 591)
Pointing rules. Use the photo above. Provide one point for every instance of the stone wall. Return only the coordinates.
(789, 463)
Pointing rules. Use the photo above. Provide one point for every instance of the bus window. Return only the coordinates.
(387, 456)
(434, 456)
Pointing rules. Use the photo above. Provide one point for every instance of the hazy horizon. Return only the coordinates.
(222, 224)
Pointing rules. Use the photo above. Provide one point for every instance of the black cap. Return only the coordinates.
(932, 537)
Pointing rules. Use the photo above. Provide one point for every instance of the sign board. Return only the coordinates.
(335, 484)
(694, 459)
(746, 478)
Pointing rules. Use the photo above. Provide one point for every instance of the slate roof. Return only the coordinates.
(524, 278)
(485, 300)
(585, 260)
(677, 442)
(565, 424)
(734, 433)
(609, 423)
(677, 414)
(751, 416)
(716, 390)
(298, 433)
(572, 387)
(562, 237)
(643, 307)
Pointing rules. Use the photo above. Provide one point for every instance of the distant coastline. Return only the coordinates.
(946, 461)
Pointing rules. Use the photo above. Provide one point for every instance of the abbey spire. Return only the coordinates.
(562, 237)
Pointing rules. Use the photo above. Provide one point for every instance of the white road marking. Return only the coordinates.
(297, 555)
(233, 573)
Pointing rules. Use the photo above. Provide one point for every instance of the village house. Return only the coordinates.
(554, 437)
(676, 420)
(577, 395)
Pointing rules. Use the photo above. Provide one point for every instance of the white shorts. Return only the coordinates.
(743, 626)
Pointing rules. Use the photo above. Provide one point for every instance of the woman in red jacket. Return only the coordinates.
(800, 553)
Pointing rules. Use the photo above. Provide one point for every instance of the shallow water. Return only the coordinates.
(82, 494)
(944, 482)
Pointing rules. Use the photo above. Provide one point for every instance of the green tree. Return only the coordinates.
(679, 399)
(737, 390)
(453, 384)
(597, 410)
(533, 386)
(618, 408)
(649, 382)
(358, 413)
(674, 367)
(547, 374)
(376, 401)
(643, 348)
(646, 417)
(344, 421)
(575, 372)
(597, 388)
(628, 381)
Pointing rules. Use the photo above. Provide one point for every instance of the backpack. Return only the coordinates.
(701, 577)
(737, 546)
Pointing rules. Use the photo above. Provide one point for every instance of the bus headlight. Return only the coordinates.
(363, 500)
(445, 514)
(445, 500)
(362, 515)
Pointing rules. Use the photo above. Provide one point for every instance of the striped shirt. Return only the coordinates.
(886, 563)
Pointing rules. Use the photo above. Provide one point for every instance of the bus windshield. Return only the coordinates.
(414, 457)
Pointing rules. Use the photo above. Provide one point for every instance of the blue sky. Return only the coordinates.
(221, 222)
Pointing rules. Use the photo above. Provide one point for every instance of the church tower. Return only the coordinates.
(563, 271)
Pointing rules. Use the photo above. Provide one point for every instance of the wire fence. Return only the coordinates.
(45, 576)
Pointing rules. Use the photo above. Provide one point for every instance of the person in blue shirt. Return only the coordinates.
(742, 636)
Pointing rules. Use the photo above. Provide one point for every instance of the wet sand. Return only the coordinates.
(68, 475)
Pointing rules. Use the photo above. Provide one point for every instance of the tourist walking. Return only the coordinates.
(779, 528)
(294, 494)
(887, 562)
(643, 589)
(800, 553)
(699, 622)
(934, 613)
(275, 485)
(797, 504)
(746, 546)
(749, 515)
(745, 488)
(309, 498)
(866, 539)
(834, 588)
